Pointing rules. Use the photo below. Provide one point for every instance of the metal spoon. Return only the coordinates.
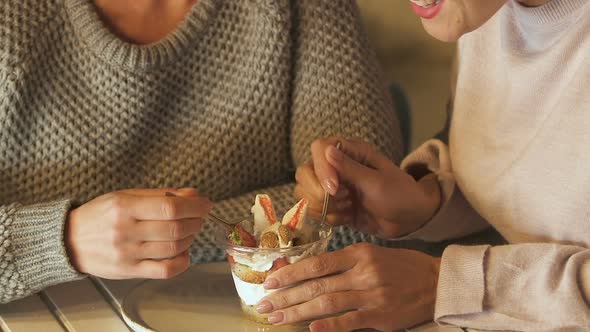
(213, 217)
(327, 196)
(225, 223)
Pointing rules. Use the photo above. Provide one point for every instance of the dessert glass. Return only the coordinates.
(251, 266)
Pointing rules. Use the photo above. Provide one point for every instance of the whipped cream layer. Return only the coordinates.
(257, 262)
(251, 294)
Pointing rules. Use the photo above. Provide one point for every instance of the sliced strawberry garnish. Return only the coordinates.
(241, 237)
(247, 239)
(294, 217)
(269, 211)
(231, 260)
(279, 263)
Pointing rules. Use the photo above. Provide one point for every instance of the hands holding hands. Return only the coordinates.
(137, 233)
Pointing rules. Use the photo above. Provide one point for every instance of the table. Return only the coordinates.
(89, 305)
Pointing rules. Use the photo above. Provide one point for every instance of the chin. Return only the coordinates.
(443, 32)
(459, 17)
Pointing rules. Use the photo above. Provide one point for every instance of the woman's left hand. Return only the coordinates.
(368, 286)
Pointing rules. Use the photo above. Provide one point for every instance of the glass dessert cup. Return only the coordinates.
(250, 266)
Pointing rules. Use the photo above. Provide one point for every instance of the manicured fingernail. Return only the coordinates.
(264, 307)
(330, 186)
(275, 317)
(334, 154)
(169, 194)
(270, 283)
(318, 325)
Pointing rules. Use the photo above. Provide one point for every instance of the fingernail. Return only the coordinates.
(318, 325)
(330, 186)
(275, 317)
(169, 194)
(270, 283)
(334, 154)
(264, 307)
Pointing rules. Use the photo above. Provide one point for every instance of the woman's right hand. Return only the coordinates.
(368, 190)
(137, 233)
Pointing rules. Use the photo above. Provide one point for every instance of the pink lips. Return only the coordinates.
(427, 13)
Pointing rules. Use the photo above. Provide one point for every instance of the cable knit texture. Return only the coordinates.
(228, 103)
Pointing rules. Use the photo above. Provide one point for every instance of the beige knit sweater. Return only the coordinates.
(518, 155)
(229, 103)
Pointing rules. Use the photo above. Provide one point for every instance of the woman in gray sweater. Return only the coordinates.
(98, 98)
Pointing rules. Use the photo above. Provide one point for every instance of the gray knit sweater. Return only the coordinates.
(228, 103)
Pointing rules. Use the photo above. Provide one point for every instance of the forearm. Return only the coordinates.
(32, 251)
(523, 287)
(430, 200)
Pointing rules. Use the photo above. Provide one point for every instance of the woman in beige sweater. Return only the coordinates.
(515, 156)
(98, 98)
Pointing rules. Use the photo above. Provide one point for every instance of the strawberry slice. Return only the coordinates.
(231, 260)
(264, 213)
(241, 237)
(248, 240)
(295, 217)
(279, 263)
(269, 211)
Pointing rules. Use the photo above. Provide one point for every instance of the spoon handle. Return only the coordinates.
(327, 196)
(213, 217)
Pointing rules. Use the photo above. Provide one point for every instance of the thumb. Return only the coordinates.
(349, 169)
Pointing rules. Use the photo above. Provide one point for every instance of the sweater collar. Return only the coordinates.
(552, 13)
(530, 30)
(94, 34)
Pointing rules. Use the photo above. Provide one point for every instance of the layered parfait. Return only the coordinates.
(259, 246)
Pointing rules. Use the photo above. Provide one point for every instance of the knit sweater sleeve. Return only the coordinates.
(456, 217)
(337, 90)
(520, 287)
(32, 251)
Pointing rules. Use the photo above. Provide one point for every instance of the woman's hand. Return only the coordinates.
(365, 286)
(368, 190)
(139, 233)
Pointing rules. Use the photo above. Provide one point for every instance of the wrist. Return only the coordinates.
(435, 272)
(431, 194)
(425, 205)
(69, 240)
